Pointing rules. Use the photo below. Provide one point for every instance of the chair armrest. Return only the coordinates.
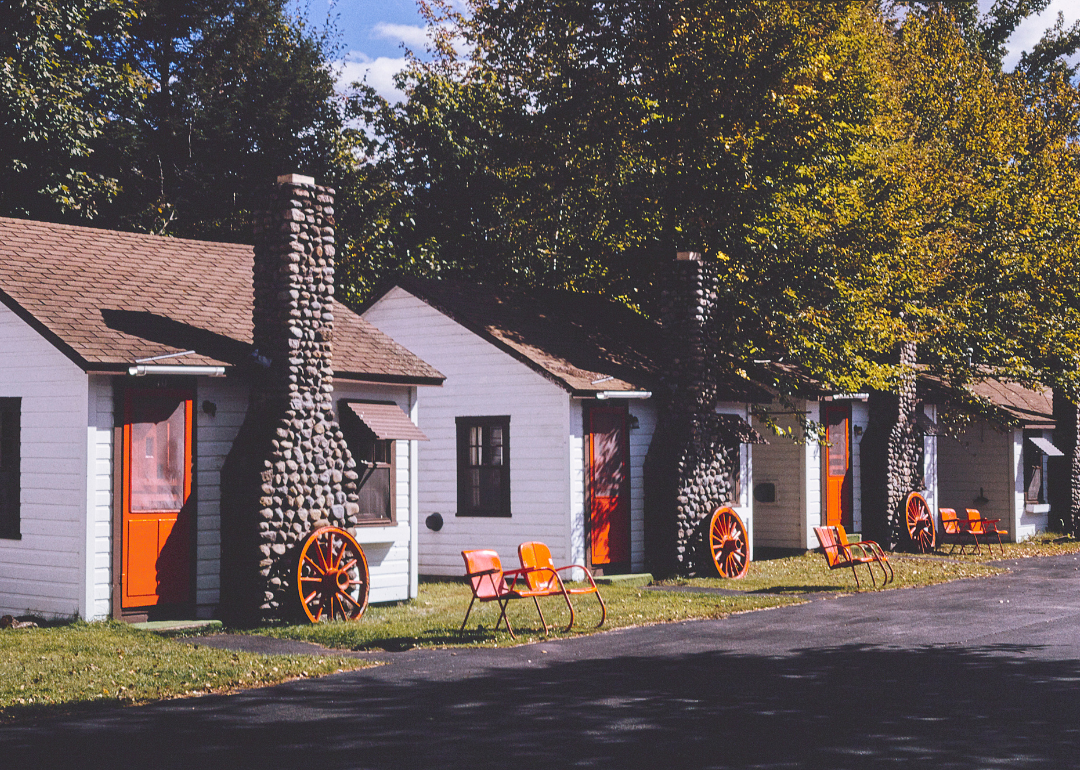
(483, 572)
(588, 575)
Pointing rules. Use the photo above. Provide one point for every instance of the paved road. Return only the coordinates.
(975, 674)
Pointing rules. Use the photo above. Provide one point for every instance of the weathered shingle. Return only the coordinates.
(107, 298)
(585, 342)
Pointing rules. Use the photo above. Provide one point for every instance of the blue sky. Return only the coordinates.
(374, 32)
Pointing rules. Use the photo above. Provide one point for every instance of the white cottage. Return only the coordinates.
(541, 429)
(997, 463)
(123, 369)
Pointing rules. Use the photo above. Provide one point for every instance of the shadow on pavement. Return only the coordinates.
(840, 707)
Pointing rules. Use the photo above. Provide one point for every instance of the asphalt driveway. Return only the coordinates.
(974, 674)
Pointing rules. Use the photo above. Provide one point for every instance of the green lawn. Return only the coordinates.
(43, 670)
(86, 664)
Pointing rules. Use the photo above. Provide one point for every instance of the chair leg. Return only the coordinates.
(540, 612)
(603, 610)
(504, 603)
(858, 586)
(461, 631)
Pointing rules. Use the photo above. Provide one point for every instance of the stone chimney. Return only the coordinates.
(290, 470)
(694, 457)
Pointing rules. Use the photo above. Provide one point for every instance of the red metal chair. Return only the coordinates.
(838, 556)
(543, 576)
(868, 548)
(977, 525)
(487, 579)
(956, 530)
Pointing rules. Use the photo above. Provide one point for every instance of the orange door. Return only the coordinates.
(157, 486)
(838, 465)
(609, 521)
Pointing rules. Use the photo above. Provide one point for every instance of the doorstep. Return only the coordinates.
(159, 626)
(635, 580)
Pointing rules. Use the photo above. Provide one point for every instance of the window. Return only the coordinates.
(375, 464)
(374, 459)
(483, 466)
(10, 458)
(1037, 451)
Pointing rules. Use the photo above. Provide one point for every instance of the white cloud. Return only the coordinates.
(1029, 31)
(377, 73)
(415, 37)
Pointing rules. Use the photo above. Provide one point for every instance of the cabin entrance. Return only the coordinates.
(609, 488)
(156, 515)
(838, 504)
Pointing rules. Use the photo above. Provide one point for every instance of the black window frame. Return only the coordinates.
(465, 425)
(11, 468)
(1035, 462)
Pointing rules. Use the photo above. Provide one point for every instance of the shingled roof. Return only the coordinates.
(584, 342)
(108, 298)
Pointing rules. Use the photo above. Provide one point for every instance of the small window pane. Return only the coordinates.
(483, 466)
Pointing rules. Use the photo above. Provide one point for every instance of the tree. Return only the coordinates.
(580, 144)
(242, 92)
(63, 76)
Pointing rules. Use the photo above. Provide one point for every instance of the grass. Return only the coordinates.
(84, 665)
(45, 670)
(433, 619)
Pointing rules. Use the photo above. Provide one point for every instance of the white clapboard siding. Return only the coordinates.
(99, 494)
(216, 428)
(52, 569)
(640, 439)
(782, 462)
(388, 548)
(979, 462)
(483, 381)
(860, 418)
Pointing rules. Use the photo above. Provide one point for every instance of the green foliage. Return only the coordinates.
(62, 79)
(243, 92)
(580, 144)
(861, 181)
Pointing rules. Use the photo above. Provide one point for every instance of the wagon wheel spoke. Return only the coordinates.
(728, 543)
(345, 595)
(920, 522)
(333, 560)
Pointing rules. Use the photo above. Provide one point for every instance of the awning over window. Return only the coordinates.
(929, 427)
(385, 419)
(1045, 446)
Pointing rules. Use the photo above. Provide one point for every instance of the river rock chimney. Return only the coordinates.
(296, 472)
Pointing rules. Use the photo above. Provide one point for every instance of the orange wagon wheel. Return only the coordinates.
(920, 523)
(332, 576)
(729, 544)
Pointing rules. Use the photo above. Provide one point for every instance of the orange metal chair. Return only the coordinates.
(977, 525)
(956, 530)
(868, 548)
(838, 556)
(543, 576)
(487, 579)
